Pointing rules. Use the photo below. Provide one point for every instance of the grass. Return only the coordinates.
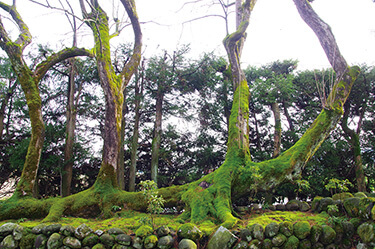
(129, 220)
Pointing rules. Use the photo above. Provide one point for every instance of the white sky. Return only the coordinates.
(276, 31)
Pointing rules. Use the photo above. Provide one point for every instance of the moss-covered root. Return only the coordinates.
(211, 197)
(28, 207)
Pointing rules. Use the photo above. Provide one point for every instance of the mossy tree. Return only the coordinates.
(29, 80)
(113, 85)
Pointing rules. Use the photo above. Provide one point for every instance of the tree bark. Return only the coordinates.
(156, 140)
(4, 104)
(277, 135)
(121, 159)
(134, 147)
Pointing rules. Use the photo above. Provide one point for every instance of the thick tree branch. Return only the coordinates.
(64, 54)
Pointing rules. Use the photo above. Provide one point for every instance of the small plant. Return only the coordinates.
(116, 208)
(155, 202)
(337, 185)
(145, 221)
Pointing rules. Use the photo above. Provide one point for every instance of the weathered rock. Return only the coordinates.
(118, 246)
(54, 241)
(241, 245)
(280, 207)
(301, 229)
(124, 239)
(267, 244)
(28, 241)
(17, 232)
(316, 204)
(292, 205)
(279, 240)
(365, 206)
(362, 246)
(82, 231)
(316, 232)
(138, 243)
(351, 206)
(98, 246)
(291, 243)
(318, 246)
(9, 243)
(67, 230)
(304, 206)
(50, 229)
(162, 231)
(7, 229)
(107, 240)
(271, 229)
(328, 235)
(99, 232)
(150, 242)
(258, 231)
(366, 232)
(165, 242)
(115, 231)
(72, 242)
(143, 231)
(222, 238)
(187, 244)
(41, 241)
(305, 244)
(245, 234)
(189, 231)
(37, 229)
(90, 240)
(286, 228)
(255, 244)
(324, 202)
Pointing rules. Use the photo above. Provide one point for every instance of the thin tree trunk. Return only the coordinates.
(157, 135)
(353, 138)
(4, 104)
(288, 117)
(277, 135)
(121, 159)
(71, 117)
(134, 146)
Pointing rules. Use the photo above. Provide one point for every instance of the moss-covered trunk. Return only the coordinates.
(277, 134)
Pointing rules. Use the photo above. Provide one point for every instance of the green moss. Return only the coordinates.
(144, 231)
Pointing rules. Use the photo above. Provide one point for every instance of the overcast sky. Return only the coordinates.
(276, 31)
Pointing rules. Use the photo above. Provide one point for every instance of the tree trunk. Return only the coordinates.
(71, 116)
(4, 104)
(353, 139)
(156, 140)
(277, 135)
(134, 146)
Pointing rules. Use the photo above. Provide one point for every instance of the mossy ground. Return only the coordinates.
(129, 221)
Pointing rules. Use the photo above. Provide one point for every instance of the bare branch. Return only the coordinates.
(201, 17)
(49, 6)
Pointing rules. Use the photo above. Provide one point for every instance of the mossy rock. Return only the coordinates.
(107, 240)
(271, 229)
(255, 244)
(9, 242)
(67, 230)
(187, 244)
(72, 242)
(279, 240)
(40, 241)
(366, 232)
(324, 203)
(165, 242)
(162, 231)
(115, 231)
(360, 195)
(189, 231)
(315, 233)
(150, 242)
(90, 240)
(99, 246)
(291, 243)
(365, 207)
(286, 228)
(356, 222)
(267, 244)
(302, 229)
(50, 229)
(328, 235)
(54, 241)
(123, 239)
(7, 229)
(293, 205)
(222, 238)
(351, 206)
(18, 232)
(257, 231)
(143, 231)
(304, 244)
(342, 196)
(317, 246)
(304, 206)
(245, 234)
(315, 204)
(349, 229)
(82, 231)
(27, 241)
